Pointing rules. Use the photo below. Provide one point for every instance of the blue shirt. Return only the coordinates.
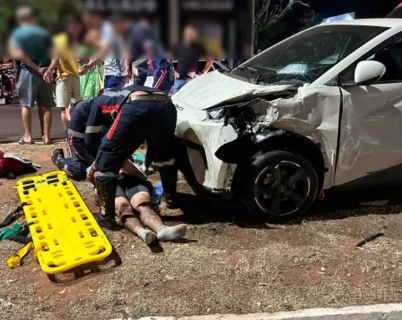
(35, 42)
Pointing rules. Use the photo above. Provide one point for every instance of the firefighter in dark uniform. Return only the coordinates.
(149, 116)
(89, 120)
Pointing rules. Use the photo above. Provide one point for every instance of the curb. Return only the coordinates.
(374, 312)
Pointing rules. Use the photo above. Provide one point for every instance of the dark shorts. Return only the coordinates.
(129, 186)
(32, 88)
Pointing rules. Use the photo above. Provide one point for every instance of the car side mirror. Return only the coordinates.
(369, 71)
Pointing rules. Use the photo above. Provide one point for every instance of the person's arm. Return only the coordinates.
(208, 64)
(208, 59)
(17, 53)
(48, 75)
(78, 146)
(93, 131)
(104, 45)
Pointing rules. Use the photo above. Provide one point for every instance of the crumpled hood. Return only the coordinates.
(215, 88)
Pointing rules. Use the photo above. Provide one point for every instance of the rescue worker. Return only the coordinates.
(90, 119)
(396, 13)
(149, 116)
(134, 208)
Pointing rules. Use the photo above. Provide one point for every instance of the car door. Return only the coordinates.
(370, 144)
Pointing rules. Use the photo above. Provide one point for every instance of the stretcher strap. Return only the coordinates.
(10, 218)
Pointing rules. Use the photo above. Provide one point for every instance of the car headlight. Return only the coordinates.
(226, 111)
(217, 114)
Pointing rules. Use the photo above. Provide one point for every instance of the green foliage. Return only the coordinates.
(49, 13)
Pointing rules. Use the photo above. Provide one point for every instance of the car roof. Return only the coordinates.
(389, 23)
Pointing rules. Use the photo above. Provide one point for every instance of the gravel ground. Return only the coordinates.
(226, 265)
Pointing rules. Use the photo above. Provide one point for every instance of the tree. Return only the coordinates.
(271, 12)
(49, 13)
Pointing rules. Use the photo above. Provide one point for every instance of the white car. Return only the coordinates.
(319, 110)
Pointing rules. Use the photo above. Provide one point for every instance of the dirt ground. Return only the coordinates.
(227, 264)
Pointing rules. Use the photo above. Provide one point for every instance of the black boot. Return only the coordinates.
(169, 181)
(58, 158)
(171, 201)
(106, 198)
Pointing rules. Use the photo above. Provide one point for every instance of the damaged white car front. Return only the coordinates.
(272, 130)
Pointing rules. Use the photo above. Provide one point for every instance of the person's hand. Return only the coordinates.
(42, 71)
(48, 76)
(84, 69)
(91, 175)
(176, 74)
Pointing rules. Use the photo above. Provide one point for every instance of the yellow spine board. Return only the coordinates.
(65, 233)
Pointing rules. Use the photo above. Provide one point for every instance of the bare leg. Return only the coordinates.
(65, 117)
(26, 120)
(40, 114)
(47, 123)
(131, 222)
(153, 221)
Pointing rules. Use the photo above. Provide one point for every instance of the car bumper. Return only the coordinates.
(203, 139)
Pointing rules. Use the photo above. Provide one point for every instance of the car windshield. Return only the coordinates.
(301, 60)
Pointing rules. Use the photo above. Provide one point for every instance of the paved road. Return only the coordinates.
(11, 128)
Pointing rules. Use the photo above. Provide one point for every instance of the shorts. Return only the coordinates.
(32, 88)
(128, 186)
(67, 89)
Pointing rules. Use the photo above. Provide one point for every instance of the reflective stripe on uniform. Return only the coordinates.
(123, 92)
(95, 129)
(171, 162)
(76, 134)
(105, 174)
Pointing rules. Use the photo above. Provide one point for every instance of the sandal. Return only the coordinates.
(22, 141)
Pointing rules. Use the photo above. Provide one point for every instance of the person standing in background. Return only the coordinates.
(188, 54)
(149, 57)
(91, 83)
(32, 45)
(68, 81)
(111, 50)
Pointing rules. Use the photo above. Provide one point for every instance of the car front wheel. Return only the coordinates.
(279, 185)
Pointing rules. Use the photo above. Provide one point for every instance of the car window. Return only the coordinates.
(302, 59)
(390, 56)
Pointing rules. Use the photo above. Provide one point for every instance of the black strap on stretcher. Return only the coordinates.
(11, 217)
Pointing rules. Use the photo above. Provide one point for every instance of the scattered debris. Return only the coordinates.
(369, 239)
(11, 280)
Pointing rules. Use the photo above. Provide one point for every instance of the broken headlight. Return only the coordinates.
(240, 116)
(216, 114)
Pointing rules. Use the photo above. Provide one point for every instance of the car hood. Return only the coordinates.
(216, 88)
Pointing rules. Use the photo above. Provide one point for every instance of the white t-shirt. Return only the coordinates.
(115, 64)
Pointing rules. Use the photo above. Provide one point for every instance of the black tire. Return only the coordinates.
(271, 190)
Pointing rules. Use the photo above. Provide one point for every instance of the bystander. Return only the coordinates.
(32, 45)
(187, 56)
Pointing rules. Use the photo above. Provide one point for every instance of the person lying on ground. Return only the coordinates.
(135, 210)
(89, 118)
(148, 117)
